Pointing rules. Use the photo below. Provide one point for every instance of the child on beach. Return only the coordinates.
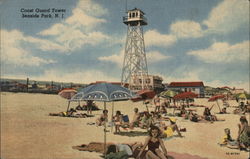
(118, 121)
(102, 119)
(153, 142)
(226, 139)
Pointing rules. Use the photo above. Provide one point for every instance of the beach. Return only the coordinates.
(28, 132)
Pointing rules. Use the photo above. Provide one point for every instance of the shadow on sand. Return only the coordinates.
(133, 133)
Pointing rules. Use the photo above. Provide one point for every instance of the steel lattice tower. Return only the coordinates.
(135, 62)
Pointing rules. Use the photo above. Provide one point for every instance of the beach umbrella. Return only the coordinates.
(216, 98)
(143, 95)
(105, 92)
(185, 95)
(67, 93)
(242, 96)
(168, 93)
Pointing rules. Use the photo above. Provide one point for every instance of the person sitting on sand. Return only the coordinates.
(226, 139)
(223, 110)
(136, 119)
(146, 120)
(194, 117)
(103, 118)
(208, 116)
(154, 142)
(183, 111)
(118, 121)
(243, 133)
(168, 131)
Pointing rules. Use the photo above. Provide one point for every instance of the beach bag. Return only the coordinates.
(125, 118)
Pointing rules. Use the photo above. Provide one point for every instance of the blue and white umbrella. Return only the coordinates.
(105, 92)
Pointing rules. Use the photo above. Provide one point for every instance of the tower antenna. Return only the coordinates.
(126, 5)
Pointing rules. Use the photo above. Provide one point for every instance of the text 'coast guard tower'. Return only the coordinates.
(135, 71)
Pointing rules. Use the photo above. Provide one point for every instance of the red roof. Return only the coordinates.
(116, 83)
(186, 84)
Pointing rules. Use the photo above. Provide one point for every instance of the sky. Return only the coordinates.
(185, 40)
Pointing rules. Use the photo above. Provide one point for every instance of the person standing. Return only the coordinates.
(89, 106)
(157, 103)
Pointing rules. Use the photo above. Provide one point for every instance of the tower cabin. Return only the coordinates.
(135, 17)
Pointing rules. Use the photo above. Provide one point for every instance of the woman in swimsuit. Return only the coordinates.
(153, 142)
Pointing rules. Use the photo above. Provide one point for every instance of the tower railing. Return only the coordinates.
(127, 19)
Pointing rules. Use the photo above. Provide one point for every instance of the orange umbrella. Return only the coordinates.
(186, 95)
(215, 98)
(143, 95)
(67, 93)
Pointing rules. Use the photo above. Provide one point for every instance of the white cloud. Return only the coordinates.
(186, 29)
(192, 75)
(156, 56)
(154, 38)
(78, 29)
(13, 51)
(228, 16)
(115, 58)
(223, 52)
(152, 57)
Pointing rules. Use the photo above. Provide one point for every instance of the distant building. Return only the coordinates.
(152, 82)
(237, 91)
(195, 87)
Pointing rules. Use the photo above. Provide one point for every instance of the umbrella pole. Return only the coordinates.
(68, 106)
(112, 116)
(146, 107)
(104, 133)
(218, 105)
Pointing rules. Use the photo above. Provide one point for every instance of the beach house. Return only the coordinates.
(195, 87)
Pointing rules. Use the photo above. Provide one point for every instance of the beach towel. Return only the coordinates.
(118, 155)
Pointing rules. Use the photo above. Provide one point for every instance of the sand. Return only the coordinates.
(27, 132)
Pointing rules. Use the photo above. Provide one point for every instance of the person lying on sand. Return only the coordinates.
(103, 118)
(194, 117)
(168, 131)
(124, 150)
(223, 111)
(71, 113)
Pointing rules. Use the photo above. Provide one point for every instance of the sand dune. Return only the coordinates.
(27, 132)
